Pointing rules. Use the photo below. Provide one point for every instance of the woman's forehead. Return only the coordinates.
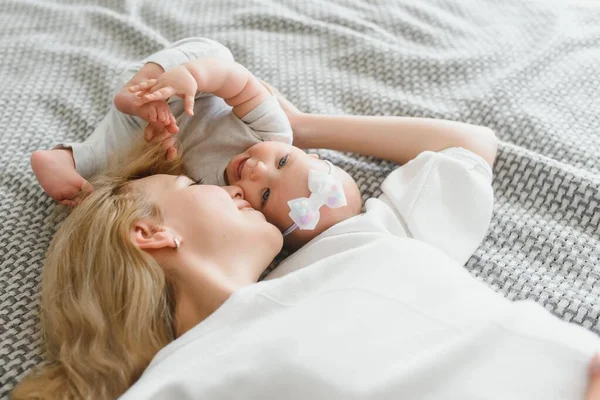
(159, 182)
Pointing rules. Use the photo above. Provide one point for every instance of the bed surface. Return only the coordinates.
(527, 69)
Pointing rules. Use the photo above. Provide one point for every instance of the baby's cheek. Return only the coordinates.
(279, 218)
(254, 204)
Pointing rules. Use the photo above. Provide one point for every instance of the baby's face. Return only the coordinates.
(271, 174)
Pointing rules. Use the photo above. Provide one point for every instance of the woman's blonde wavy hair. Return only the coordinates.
(106, 305)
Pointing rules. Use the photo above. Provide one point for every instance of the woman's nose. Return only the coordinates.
(259, 171)
(235, 192)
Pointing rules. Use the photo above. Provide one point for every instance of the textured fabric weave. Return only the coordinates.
(527, 69)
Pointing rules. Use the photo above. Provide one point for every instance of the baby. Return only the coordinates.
(231, 130)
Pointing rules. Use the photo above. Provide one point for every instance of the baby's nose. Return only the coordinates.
(235, 192)
(259, 171)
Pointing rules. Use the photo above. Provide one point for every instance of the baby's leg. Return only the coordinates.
(56, 173)
(62, 171)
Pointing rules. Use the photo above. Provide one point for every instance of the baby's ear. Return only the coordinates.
(314, 155)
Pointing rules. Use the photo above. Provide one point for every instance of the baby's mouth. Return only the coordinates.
(240, 168)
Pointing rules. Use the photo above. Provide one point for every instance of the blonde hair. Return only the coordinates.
(106, 305)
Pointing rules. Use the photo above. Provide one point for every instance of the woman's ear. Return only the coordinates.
(146, 235)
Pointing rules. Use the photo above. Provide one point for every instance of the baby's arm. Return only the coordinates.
(398, 139)
(223, 78)
(158, 113)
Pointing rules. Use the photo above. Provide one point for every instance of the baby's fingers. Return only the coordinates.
(189, 104)
(165, 138)
(172, 125)
(171, 153)
(163, 116)
(143, 86)
(168, 143)
(160, 94)
(152, 131)
(152, 114)
(149, 133)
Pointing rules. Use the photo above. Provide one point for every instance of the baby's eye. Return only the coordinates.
(265, 196)
(198, 182)
(282, 161)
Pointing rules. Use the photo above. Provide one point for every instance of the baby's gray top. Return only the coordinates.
(209, 139)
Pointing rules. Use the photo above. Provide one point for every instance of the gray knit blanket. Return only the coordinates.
(527, 69)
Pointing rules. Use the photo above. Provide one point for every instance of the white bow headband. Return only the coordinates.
(324, 190)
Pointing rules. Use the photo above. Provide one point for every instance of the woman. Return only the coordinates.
(368, 311)
(112, 296)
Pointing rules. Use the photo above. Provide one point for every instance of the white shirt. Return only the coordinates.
(366, 311)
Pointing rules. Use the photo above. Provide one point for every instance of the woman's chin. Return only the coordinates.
(276, 238)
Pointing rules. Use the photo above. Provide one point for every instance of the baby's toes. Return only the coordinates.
(164, 115)
(152, 114)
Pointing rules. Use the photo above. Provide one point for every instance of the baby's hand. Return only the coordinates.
(177, 81)
(159, 113)
(156, 133)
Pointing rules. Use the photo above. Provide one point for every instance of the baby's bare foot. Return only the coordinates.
(55, 171)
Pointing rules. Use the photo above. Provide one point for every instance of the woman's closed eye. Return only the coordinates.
(267, 192)
(196, 182)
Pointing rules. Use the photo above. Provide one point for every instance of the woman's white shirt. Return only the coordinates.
(366, 311)
(442, 198)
